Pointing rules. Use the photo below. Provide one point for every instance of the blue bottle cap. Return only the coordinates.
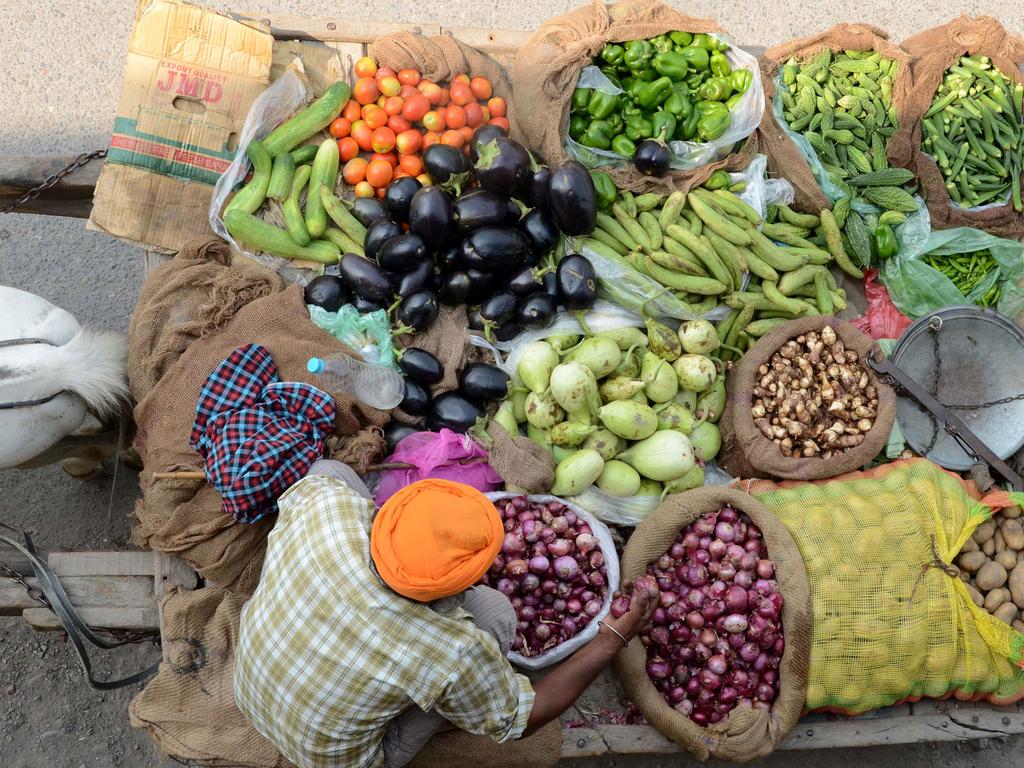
(315, 365)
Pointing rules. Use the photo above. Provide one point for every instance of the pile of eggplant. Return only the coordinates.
(483, 234)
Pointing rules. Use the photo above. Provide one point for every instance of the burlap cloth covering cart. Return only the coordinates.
(933, 52)
(746, 733)
(784, 158)
(548, 66)
(748, 453)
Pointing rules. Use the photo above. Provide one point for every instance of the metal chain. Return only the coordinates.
(54, 178)
(34, 592)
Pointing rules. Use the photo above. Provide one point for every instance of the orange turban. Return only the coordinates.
(435, 538)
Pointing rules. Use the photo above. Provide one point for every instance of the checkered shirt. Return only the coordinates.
(328, 656)
(257, 435)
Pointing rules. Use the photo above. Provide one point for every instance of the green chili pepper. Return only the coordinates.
(741, 80)
(712, 126)
(639, 128)
(680, 38)
(661, 43)
(598, 135)
(663, 124)
(715, 89)
(612, 53)
(577, 126)
(886, 244)
(605, 188)
(718, 180)
(622, 145)
(678, 104)
(720, 66)
(637, 54)
(696, 57)
(654, 93)
(602, 104)
(580, 98)
(670, 65)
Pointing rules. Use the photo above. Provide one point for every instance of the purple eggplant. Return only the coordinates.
(446, 166)
(502, 166)
(364, 305)
(484, 134)
(480, 208)
(539, 230)
(537, 310)
(482, 382)
(499, 307)
(418, 310)
(572, 199)
(495, 249)
(454, 289)
(368, 210)
(419, 365)
(452, 411)
(395, 431)
(364, 278)
(402, 253)
(398, 197)
(431, 217)
(525, 281)
(420, 276)
(535, 193)
(577, 282)
(379, 233)
(416, 400)
(327, 292)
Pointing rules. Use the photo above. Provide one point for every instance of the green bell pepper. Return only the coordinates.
(664, 124)
(612, 53)
(661, 43)
(577, 126)
(680, 38)
(639, 128)
(670, 65)
(718, 180)
(638, 54)
(709, 43)
(694, 80)
(696, 58)
(886, 244)
(602, 104)
(622, 145)
(580, 98)
(688, 128)
(634, 90)
(678, 104)
(733, 100)
(629, 109)
(615, 122)
(711, 107)
(655, 93)
(605, 188)
(741, 80)
(720, 66)
(612, 75)
(715, 89)
(647, 75)
(625, 83)
(712, 126)
(598, 135)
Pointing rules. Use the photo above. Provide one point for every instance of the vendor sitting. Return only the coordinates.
(367, 635)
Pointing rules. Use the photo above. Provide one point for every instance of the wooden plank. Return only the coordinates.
(71, 197)
(334, 30)
(141, 619)
(491, 40)
(84, 592)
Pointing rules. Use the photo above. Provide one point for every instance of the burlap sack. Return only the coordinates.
(189, 708)
(440, 58)
(548, 66)
(192, 312)
(933, 52)
(748, 453)
(524, 466)
(746, 734)
(784, 157)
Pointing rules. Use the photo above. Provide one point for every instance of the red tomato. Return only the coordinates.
(501, 122)
(374, 116)
(474, 114)
(496, 106)
(430, 137)
(352, 111)
(393, 105)
(455, 116)
(363, 134)
(383, 140)
(398, 124)
(411, 165)
(462, 77)
(467, 132)
(389, 86)
(388, 157)
(481, 88)
(453, 138)
(434, 121)
(354, 170)
(347, 148)
(340, 127)
(385, 72)
(432, 91)
(365, 91)
(460, 93)
(365, 67)
(365, 189)
(416, 106)
(409, 76)
(407, 91)
(379, 173)
(445, 96)
(409, 142)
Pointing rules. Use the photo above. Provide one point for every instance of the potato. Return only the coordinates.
(1007, 612)
(1007, 558)
(988, 547)
(1018, 625)
(976, 596)
(970, 546)
(972, 561)
(1013, 533)
(995, 598)
(1011, 512)
(1016, 585)
(985, 531)
(1000, 542)
(990, 576)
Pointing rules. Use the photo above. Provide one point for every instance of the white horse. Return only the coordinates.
(53, 375)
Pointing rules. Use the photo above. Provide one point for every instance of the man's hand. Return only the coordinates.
(641, 605)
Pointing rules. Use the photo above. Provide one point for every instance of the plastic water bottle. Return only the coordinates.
(376, 385)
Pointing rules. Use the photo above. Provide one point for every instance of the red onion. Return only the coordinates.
(710, 680)
(570, 517)
(676, 612)
(620, 607)
(542, 632)
(765, 569)
(727, 695)
(736, 640)
(566, 568)
(559, 525)
(695, 598)
(596, 559)
(530, 531)
(510, 525)
(692, 686)
(539, 564)
(726, 571)
(560, 547)
(507, 587)
(667, 599)
(718, 588)
(707, 637)
(735, 622)
(573, 605)
(592, 607)
(586, 542)
(753, 547)
(748, 562)
(513, 544)
(699, 718)
(597, 579)
(676, 694)
(659, 635)
(516, 568)
(678, 634)
(717, 549)
(749, 652)
(765, 692)
(658, 668)
(539, 549)
(728, 515)
(724, 532)
(695, 620)
(770, 676)
(743, 579)
(691, 541)
(696, 575)
(659, 616)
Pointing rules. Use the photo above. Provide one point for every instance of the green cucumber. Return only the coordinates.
(250, 197)
(258, 234)
(281, 177)
(309, 121)
(293, 220)
(325, 171)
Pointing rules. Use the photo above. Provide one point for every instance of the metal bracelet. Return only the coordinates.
(616, 632)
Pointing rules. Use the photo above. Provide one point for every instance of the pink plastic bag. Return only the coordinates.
(445, 455)
(881, 320)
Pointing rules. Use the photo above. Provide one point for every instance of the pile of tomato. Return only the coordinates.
(393, 116)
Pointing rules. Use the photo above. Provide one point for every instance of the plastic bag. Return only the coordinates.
(918, 289)
(606, 544)
(444, 455)
(368, 334)
(892, 621)
(881, 320)
(283, 98)
(686, 155)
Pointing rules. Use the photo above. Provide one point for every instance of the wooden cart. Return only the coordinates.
(120, 590)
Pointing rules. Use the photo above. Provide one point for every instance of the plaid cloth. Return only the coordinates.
(258, 436)
(328, 656)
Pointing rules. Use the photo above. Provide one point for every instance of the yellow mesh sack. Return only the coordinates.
(891, 620)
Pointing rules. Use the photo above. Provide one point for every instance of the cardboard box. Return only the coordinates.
(190, 76)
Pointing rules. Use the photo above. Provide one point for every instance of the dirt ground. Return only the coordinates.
(63, 64)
